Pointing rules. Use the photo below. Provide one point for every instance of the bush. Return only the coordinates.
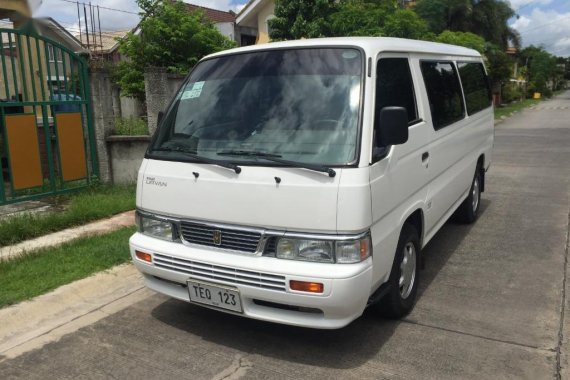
(131, 126)
(511, 93)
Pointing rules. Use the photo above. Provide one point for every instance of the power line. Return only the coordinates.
(107, 8)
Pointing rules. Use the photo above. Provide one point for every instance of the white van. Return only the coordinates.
(297, 182)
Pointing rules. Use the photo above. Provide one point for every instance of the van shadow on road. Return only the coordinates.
(346, 348)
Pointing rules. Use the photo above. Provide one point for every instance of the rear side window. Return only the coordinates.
(444, 93)
(475, 86)
(394, 86)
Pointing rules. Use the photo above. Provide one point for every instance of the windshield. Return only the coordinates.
(301, 105)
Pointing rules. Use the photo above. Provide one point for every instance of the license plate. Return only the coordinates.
(214, 295)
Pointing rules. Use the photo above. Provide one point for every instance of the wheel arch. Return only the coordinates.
(416, 219)
(481, 168)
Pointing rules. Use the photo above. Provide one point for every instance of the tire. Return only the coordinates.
(403, 285)
(468, 211)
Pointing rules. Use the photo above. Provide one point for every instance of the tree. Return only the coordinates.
(406, 24)
(465, 39)
(445, 14)
(301, 19)
(170, 37)
(486, 18)
(543, 72)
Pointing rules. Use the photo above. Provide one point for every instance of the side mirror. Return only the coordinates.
(159, 117)
(392, 126)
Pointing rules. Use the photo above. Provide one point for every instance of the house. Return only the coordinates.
(252, 21)
(224, 21)
(104, 45)
(60, 69)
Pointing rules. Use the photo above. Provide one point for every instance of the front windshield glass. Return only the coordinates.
(300, 105)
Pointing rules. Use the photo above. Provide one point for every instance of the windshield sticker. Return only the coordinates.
(195, 92)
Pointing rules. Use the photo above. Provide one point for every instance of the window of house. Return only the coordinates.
(475, 86)
(444, 92)
(394, 87)
(52, 53)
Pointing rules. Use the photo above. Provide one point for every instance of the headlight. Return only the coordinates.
(306, 250)
(324, 251)
(155, 227)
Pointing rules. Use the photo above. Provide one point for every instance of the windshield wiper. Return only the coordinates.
(205, 160)
(276, 158)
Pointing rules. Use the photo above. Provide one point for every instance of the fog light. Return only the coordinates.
(302, 286)
(144, 256)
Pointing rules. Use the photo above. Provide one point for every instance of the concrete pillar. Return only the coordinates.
(117, 111)
(157, 94)
(103, 118)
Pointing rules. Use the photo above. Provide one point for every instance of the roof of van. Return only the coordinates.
(371, 45)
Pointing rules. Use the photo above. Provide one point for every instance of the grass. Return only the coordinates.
(131, 126)
(91, 204)
(513, 107)
(39, 272)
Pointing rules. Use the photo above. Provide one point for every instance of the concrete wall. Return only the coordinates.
(264, 14)
(103, 117)
(126, 154)
(131, 107)
(159, 89)
(227, 29)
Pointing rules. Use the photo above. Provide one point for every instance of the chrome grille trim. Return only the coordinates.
(246, 241)
(218, 273)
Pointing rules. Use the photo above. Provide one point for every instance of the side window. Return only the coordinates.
(394, 86)
(475, 86)
(444, 93)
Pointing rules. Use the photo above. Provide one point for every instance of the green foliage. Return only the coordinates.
(42, 271)
(170, 37)
(132, 126)
(307, 19)
(543, 71)
(465, 39)
(499, 65)
(301, 19)
(86, 206)
(405, 24)
(511, 93)
(486, 18)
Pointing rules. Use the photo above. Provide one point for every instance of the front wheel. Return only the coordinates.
(404, 277)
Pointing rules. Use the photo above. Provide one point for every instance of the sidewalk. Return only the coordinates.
(95, 228)
(46, 318)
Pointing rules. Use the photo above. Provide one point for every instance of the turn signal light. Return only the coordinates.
(144, 256)
(302, 286)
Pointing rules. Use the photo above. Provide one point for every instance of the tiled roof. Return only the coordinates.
(213, 14)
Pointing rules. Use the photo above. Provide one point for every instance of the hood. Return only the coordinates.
(303, 200)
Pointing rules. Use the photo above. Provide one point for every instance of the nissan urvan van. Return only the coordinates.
(297, 182)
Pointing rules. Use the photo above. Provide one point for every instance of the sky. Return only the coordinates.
(540, 22)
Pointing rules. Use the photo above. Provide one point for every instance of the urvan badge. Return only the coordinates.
(217, 237)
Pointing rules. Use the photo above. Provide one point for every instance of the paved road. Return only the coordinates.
(491, 304)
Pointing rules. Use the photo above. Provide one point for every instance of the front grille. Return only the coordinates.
(203, 271)
(235, 240)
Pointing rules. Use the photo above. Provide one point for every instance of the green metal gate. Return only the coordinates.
(47, 143)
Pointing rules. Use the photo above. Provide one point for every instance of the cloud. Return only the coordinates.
(66, 13)
(550, 29)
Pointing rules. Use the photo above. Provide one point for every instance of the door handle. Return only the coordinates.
(425, 156)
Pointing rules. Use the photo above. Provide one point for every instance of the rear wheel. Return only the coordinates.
(404, 277)
(469, 209)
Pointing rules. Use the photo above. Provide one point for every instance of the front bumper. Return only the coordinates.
(263, 282)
